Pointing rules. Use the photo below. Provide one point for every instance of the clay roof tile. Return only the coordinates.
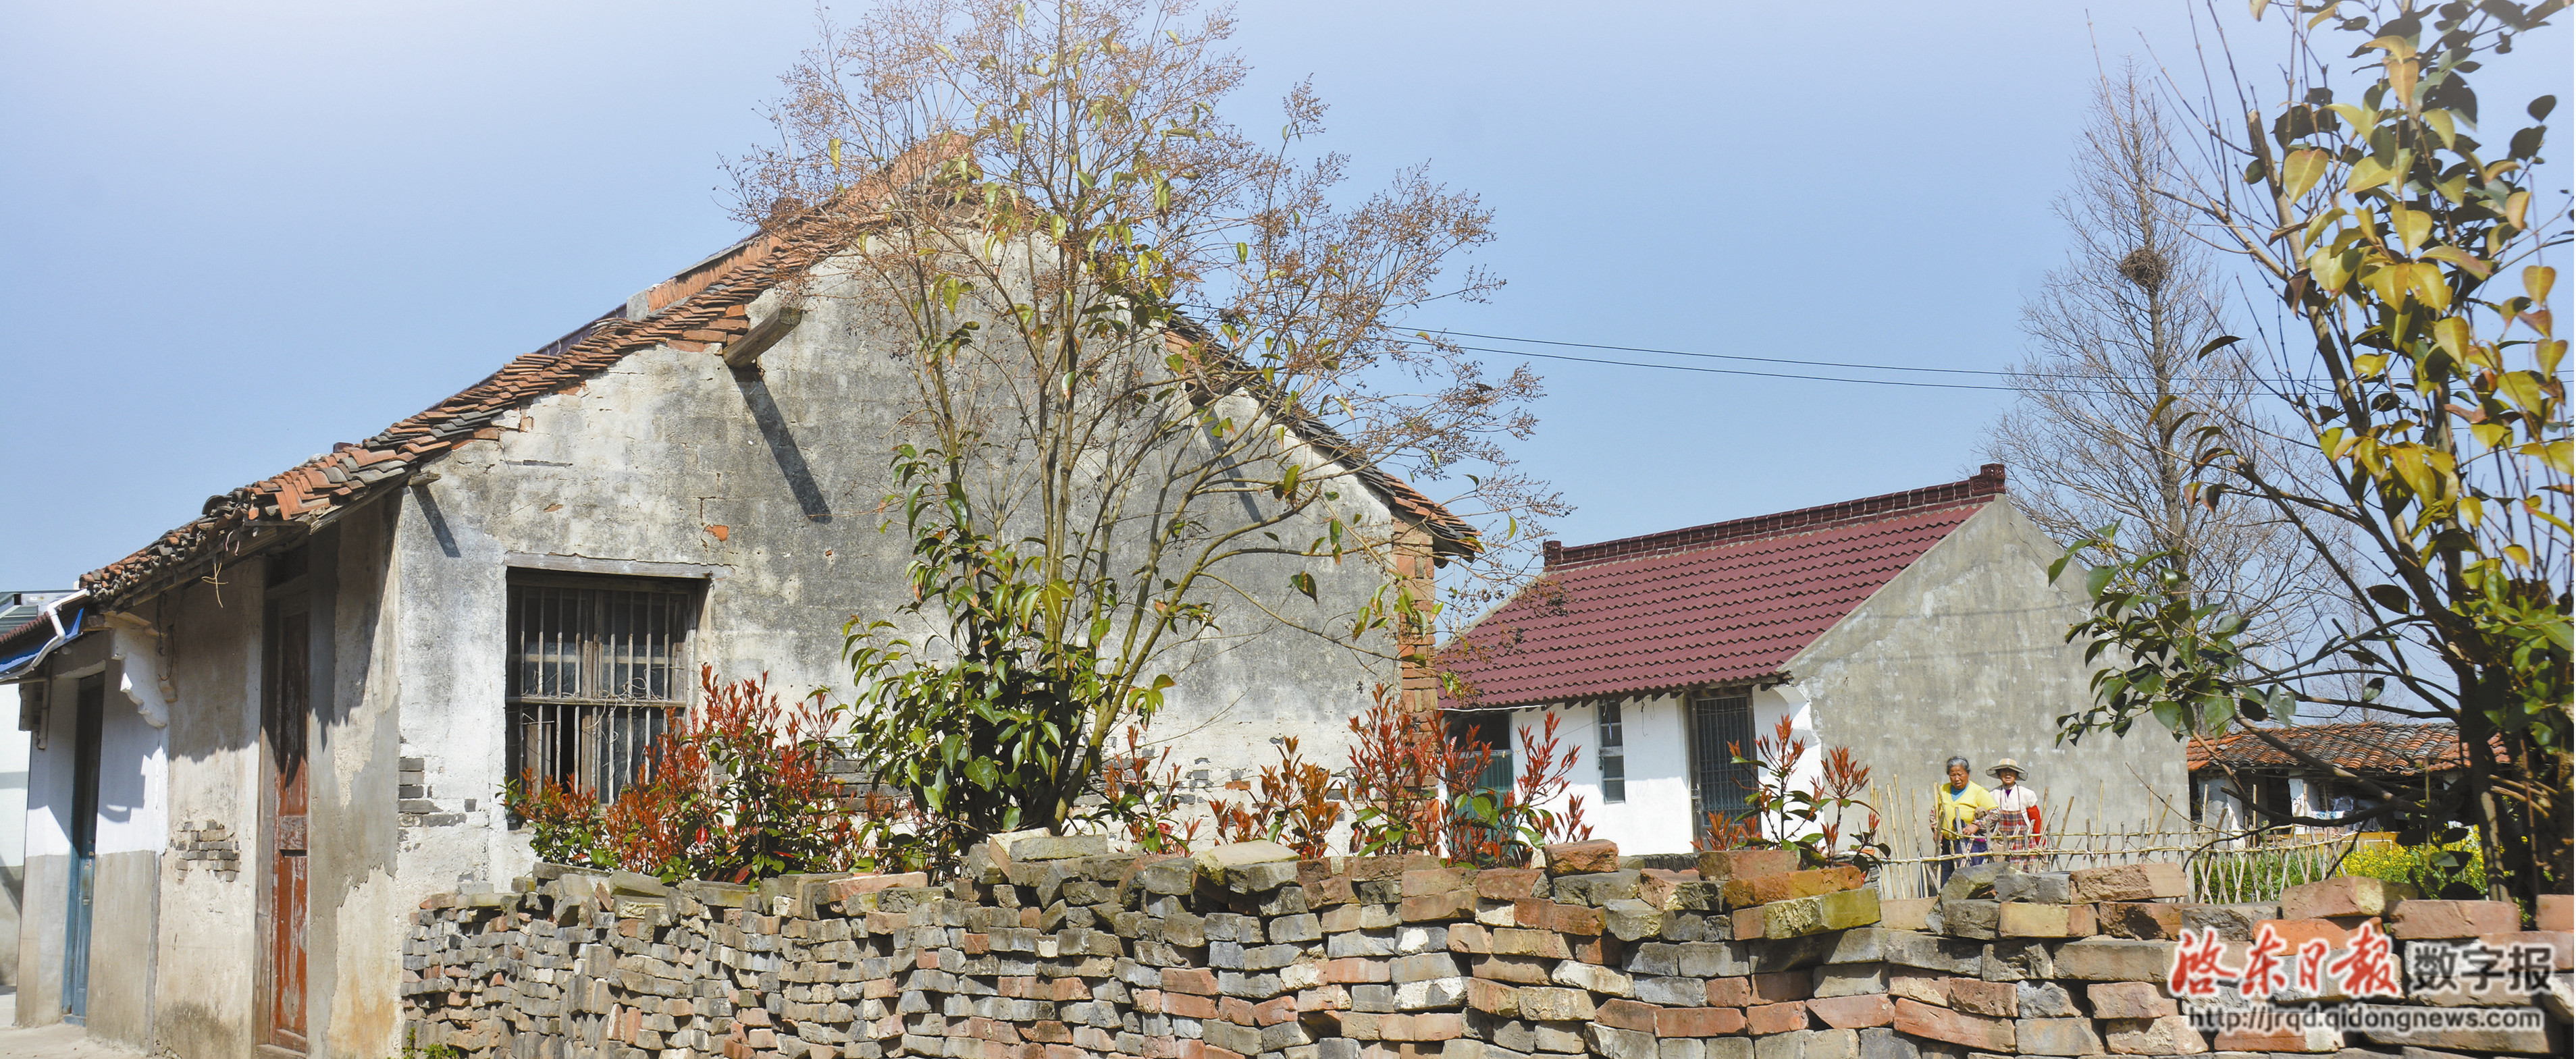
(1728, 602)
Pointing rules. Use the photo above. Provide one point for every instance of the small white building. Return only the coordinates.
(1909, 628)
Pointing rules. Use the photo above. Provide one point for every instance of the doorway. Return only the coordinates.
(1721, 728)
(283, 734)
(89, 717)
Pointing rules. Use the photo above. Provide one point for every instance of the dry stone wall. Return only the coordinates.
(1058, 948)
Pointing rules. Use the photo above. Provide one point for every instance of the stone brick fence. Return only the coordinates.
(1058, 948)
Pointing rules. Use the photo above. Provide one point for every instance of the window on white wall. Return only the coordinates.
(1720, 727)
(1613, 755)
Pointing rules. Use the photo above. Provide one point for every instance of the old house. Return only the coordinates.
(261, 740)
(2231, 772)
(1908, 628)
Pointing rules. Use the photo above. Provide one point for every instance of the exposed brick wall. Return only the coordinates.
(208, 845)
(1067, 951)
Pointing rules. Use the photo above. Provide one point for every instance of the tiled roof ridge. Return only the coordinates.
(704, 304)
(1988, 483)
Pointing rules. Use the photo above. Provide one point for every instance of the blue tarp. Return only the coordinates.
(11, 664)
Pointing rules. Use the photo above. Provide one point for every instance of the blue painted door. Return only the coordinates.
(90, 707)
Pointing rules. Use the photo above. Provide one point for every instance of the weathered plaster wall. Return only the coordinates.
(1964, 653)
(762, 490)
(40, 950)
(1655, 815)
(353, 938)
(208, 930)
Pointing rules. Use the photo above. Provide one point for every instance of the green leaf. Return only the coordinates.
(2300, 172)
(1304, 582)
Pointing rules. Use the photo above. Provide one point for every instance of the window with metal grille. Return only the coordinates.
(1720, 726)
(1493, 729)
(596, 669)
(1613, 754)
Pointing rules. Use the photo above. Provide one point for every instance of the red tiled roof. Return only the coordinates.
(707, 303)
(1722, 603)
(2377, 747)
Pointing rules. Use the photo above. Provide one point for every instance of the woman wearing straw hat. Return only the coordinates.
(2014, 823)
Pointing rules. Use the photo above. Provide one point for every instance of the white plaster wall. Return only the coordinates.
(13, 795)
(208, 940)
(1655, 817)
(13, 842)
(132, 785)
(2218, 808)
(131, 820)
(134, 774)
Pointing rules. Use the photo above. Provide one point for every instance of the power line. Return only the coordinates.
(1806, 363)
(1792, 375)
(1795, 361)
(1784, 375)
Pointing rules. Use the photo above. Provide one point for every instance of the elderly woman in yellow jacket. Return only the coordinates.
(1955, 807)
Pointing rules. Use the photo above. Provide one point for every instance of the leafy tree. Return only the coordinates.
(2114, 380)
(2408, 253)
(1100, 488)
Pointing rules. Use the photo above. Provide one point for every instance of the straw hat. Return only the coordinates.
(2009, 763)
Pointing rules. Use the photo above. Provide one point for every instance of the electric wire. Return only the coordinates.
(2181, 386)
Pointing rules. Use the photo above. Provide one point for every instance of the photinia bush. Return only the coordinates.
(737, 790)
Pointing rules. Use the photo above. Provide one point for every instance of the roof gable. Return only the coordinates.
(1728, 602)
(707, 303)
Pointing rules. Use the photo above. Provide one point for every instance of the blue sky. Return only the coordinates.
(232, 234)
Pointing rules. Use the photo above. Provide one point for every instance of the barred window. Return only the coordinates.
(1613, 755)
(1720, 727)
(596, 667)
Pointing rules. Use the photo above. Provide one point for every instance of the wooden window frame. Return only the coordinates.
(1610, 751)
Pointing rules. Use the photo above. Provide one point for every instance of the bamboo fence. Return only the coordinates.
(2224, 867)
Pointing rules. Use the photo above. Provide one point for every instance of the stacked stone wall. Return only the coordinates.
(1057, 948)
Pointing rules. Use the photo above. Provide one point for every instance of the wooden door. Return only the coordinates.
(284, 729)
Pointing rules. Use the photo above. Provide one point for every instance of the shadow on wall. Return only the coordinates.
(782, 443)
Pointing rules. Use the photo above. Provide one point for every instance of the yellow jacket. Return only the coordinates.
(1950, 810)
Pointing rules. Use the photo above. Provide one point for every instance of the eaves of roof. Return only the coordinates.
(2377, 748)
